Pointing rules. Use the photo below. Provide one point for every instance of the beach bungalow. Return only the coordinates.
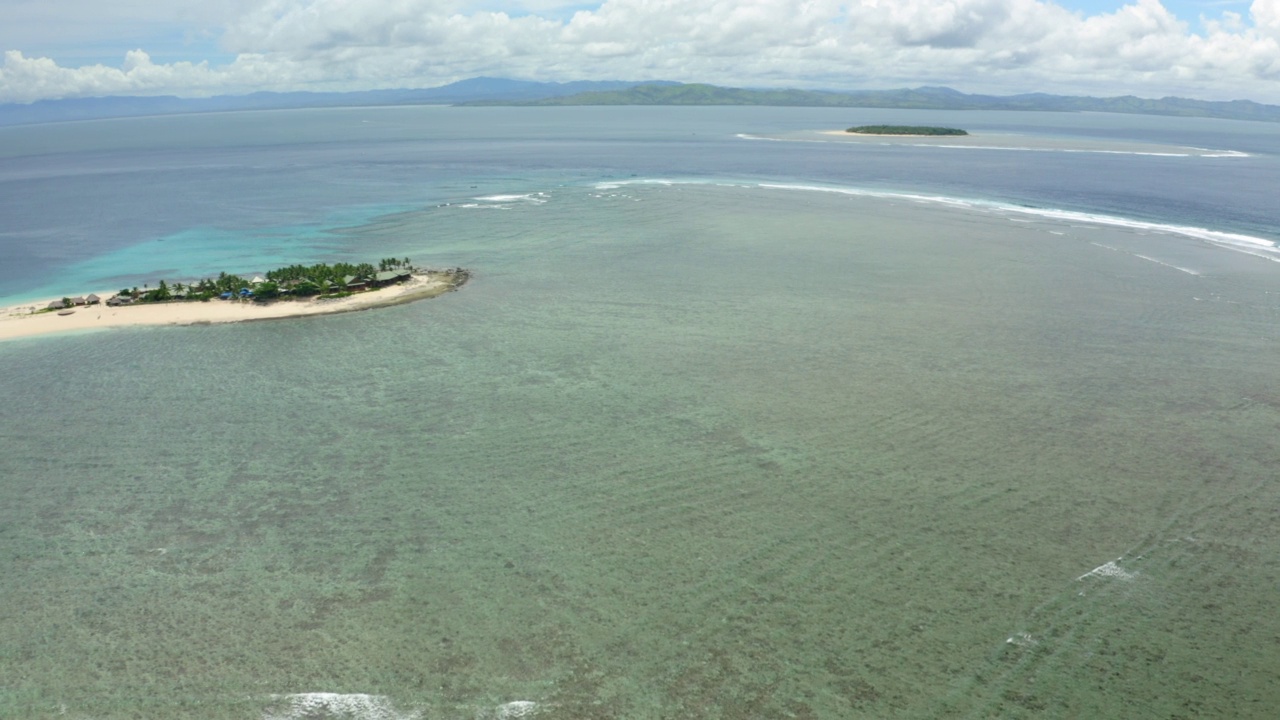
(388, 277)
(79, 301)
(92, 299)
(354, 283)
(55, 305)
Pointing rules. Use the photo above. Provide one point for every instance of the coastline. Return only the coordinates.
(846, 133)
(21, 321)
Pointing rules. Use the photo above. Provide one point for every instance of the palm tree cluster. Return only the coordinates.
(298, 280)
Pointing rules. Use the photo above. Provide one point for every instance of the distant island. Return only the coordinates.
(921, 98)
(905, 130)
(322, 281)
(500, 91)
(293, 291)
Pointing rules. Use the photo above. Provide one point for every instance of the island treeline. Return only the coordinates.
(294, 281)
(905, 130)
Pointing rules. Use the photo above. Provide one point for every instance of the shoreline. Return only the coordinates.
(22, 321)
(846, 133)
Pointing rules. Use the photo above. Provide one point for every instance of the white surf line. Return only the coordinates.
(537, 198)
(1052, 150)
(1169, 265)
(1250, 252)
(1188, 271)
(1211, 153)
(1198, 152)
(745, 136)
(1246, 244)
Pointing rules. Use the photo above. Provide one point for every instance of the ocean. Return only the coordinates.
(735, 419)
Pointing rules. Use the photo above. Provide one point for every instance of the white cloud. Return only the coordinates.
(975, 45)
(1266, 15)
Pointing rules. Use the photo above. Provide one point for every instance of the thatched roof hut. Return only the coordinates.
(56, 305)
(92, 299)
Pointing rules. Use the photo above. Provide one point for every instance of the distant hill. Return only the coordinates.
(486, 91)
(923, 98)
(475, 89)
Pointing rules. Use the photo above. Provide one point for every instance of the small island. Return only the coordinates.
(292, 291)
(905, 130)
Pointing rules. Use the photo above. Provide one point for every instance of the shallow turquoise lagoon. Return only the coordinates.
(677, 451)
(720, 428)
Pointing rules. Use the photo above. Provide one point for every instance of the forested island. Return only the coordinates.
(287, 292)
(904, 130)
(321, 281)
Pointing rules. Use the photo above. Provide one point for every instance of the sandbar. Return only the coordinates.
(25, 320)
(1015, 142)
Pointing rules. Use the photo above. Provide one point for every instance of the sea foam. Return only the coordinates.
(1110, 569)
(359, 706)
(320, 705)
(908, 141)
(1248, 244)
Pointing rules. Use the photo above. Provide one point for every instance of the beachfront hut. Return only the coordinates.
(79, 301)
(56, 305)
(354, 283)
(258, 280)
(387, 277)
(92, 299)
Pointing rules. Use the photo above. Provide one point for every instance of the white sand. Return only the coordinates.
(23, 320)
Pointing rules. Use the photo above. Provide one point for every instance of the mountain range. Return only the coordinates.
(922, 98)
(473, 90)
(484, 91)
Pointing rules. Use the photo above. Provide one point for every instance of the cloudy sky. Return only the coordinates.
(1207, 49)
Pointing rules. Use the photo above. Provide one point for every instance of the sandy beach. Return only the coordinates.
(25, 320)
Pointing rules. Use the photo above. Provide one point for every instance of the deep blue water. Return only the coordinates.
(79, 190)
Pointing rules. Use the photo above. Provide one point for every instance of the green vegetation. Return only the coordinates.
(336, 280)
(905, 130)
